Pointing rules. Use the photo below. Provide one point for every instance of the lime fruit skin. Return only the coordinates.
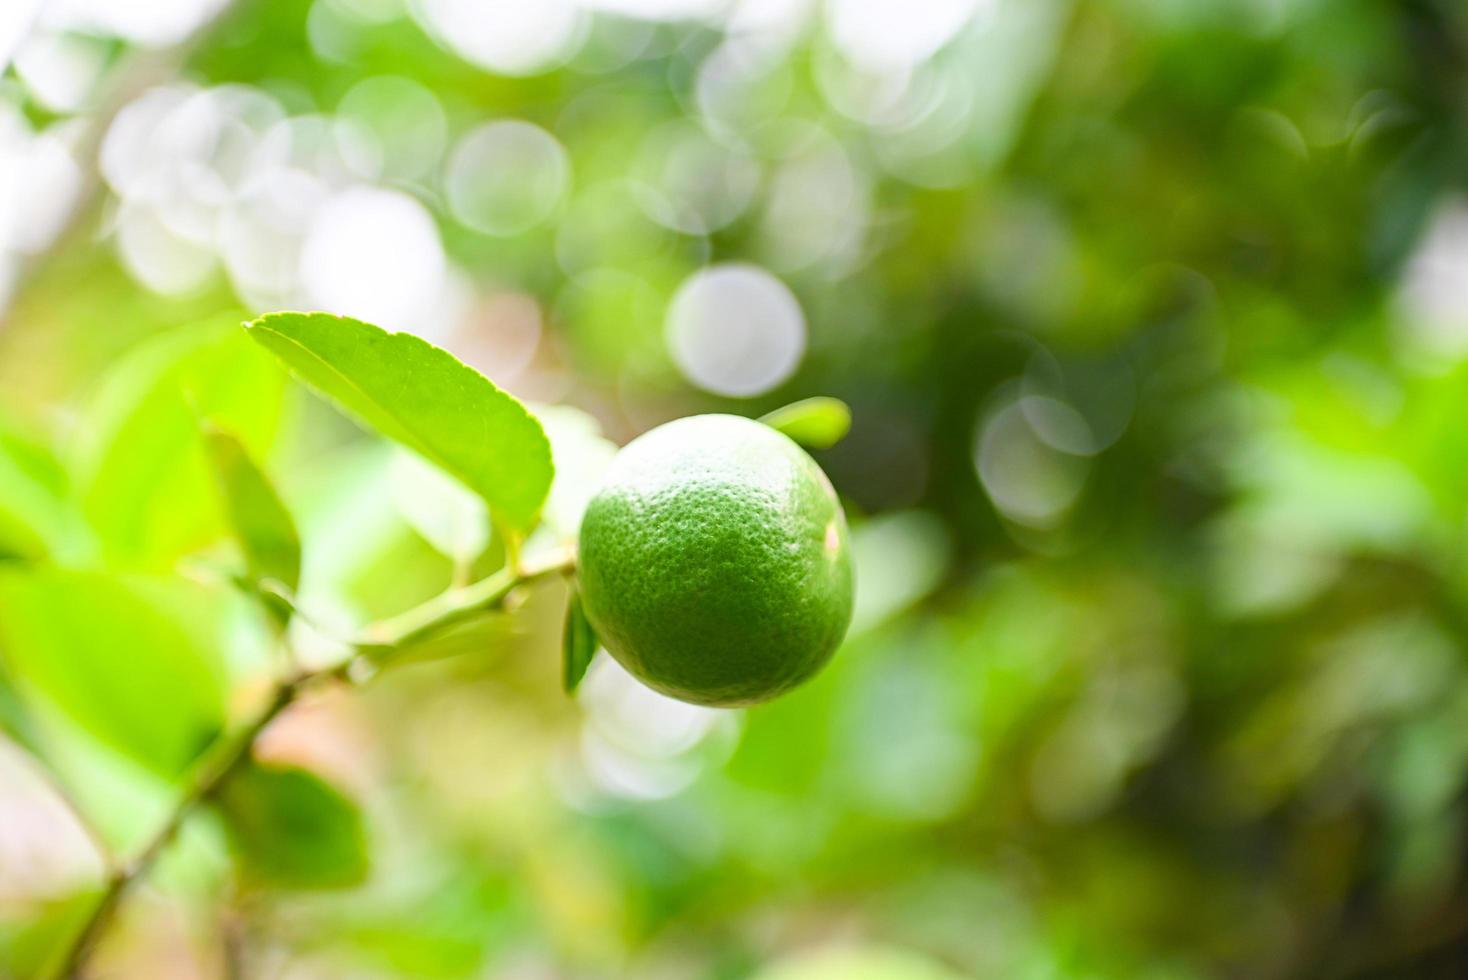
(715, 563)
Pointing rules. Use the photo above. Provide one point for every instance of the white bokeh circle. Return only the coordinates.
(735, 330)
(374, 254)
(506, 177)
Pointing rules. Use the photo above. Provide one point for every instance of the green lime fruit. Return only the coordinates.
(714, 561)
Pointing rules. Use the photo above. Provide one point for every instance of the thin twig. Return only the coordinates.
(234, 749)
(455, 606)
(226, 756)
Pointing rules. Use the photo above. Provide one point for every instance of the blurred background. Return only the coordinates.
(1153, 316)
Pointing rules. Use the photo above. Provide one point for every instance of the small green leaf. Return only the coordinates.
(424, 398)
(578, 644)
(291, 829)
(135, 661)
(142, 472)
(816, 423)
(265, 529)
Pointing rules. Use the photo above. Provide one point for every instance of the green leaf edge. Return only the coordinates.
(216, 438)
(261, 324)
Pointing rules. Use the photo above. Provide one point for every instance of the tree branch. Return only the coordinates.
(233, 750)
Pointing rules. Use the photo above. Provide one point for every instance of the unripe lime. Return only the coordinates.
(714, 561)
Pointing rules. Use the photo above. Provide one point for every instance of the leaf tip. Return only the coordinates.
(816, 423)
(578, 645)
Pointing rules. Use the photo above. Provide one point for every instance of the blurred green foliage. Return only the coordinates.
(1153, 320)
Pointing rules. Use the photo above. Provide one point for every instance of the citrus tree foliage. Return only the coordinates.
(1150, 320)
(139, 663)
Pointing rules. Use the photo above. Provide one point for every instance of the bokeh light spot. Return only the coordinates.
(509, 37)
(1030, 481)
(405, 119)
(897, 34)
(735, 330)
(506, 177)
(374, 254)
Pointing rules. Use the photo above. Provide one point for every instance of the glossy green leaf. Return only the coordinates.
(424, 398)
(134, 661)
(291, 829)
(817, 423)
(578, 644)
(143, 473)
(265, 529)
